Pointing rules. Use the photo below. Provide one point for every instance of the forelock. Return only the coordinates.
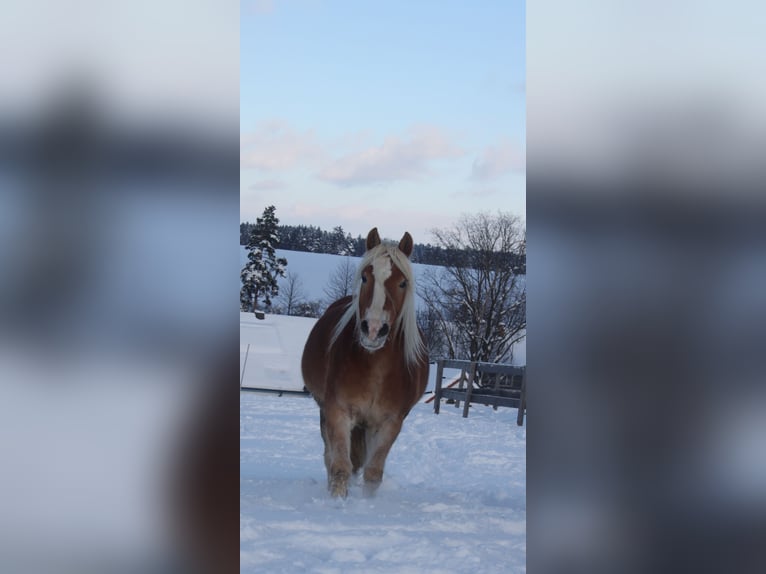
(382, 267)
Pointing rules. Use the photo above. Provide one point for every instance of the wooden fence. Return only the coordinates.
(494, 384)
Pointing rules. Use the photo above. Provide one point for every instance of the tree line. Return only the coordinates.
(313, 239)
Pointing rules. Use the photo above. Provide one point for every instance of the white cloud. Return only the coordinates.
(267, 185)
(406, 157)
(275, 145)
(498, 160)
(479, 193)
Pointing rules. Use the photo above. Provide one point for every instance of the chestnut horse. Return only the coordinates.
(366, 366)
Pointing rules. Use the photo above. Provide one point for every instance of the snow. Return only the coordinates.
(453, 497)
(270, 351)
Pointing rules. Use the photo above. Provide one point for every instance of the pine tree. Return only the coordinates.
(259, 275)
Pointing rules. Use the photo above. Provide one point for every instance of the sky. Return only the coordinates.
(399, 115)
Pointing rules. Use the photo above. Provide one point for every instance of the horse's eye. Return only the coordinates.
(364, 279)
(403, 284)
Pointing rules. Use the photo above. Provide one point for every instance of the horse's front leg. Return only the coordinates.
(337, 432)
(379, 443)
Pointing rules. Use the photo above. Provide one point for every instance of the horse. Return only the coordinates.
(366, 365)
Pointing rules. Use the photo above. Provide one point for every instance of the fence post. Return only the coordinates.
(460, 385)
(244, 365)
(469, 390)
(522, 400)
(438, 386)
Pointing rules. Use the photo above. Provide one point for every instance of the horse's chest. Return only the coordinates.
(372, 394)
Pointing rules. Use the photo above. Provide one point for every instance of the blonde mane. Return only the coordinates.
(406, 322)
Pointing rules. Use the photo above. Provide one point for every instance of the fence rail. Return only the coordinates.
(495, 384)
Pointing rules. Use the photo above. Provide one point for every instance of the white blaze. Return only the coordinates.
(374, 315)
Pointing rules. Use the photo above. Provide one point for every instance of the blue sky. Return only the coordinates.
(400, 115)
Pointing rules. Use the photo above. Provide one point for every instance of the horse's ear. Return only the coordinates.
(405, 245)
(373, 239)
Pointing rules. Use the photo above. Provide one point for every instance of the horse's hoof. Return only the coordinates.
(370, 488)
(339, 490)
(373, 476)
(339, 485)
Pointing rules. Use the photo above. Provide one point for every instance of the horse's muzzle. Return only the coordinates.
(373, 339)
(374, 334)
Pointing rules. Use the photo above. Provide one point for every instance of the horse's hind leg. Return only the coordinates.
(358, 448)
(379, 443)
(323, 429)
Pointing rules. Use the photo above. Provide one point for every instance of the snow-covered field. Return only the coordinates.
(453, 497)
(315, 269)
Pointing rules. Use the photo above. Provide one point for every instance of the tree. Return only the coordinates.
(259, 275)
(478, 299)
(292, 294)
(309, 309)
(340, 243)
(428, 322)
(341, 281)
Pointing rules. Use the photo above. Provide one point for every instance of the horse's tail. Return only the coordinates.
(358, 447)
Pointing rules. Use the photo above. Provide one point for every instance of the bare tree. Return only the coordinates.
(292, 294)
(479, 298)
(341, 281)
(428, 321)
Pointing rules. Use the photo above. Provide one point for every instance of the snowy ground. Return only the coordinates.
(453, 498)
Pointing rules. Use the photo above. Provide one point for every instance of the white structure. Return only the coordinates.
(270, 351)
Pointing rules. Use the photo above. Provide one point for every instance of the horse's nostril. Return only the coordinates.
(383, 330)
(365, 328)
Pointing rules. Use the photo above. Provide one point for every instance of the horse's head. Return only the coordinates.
(385, 284)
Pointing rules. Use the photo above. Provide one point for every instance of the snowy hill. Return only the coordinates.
(315, 271)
